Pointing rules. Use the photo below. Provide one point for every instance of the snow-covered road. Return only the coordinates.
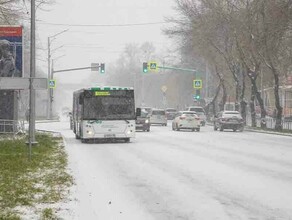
(165, 174)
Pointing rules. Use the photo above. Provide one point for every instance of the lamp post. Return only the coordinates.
(50, 40)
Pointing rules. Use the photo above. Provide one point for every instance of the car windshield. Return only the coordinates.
(144, 113)
(148, 110)
(197, 110)
(170, 110)
(189, 113)
(156, 112)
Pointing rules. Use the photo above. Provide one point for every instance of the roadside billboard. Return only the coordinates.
(11, 51)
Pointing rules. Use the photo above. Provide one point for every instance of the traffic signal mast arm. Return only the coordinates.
(66, 70)
(101, 66)
(176, 68)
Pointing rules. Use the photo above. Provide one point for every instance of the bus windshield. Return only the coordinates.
(109, 108)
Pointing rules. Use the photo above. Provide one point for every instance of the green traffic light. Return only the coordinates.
(102, 68)
(145, 67)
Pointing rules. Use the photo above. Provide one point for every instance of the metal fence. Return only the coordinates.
(11, 126)
(270, 122)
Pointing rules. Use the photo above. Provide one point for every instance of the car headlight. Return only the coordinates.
(146, 121)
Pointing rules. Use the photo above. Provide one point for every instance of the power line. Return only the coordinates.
(103, 25)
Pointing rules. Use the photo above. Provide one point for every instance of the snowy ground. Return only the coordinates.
(165, 174)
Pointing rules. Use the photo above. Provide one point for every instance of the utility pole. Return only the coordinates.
(49, 78)
(31, 135)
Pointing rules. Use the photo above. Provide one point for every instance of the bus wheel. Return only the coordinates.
(83, 140)
(127, 140)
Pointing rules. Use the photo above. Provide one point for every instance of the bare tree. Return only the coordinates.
(276, 23)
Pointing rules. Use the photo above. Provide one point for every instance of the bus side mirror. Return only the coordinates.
(138, 112)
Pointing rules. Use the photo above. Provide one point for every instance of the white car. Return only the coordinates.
(158, 116)
(200, 112)
(186, 120)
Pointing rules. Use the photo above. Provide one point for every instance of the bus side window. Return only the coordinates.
(80, 100)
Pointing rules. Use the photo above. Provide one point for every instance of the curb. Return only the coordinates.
(249, 129)
(267, 132)
(46, 121)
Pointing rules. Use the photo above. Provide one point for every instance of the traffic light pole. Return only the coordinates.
(67, 70)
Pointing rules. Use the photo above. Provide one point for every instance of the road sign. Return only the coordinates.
(197, 83)
(153, 66)
(22, 83)
(52, 84)
(163, 88)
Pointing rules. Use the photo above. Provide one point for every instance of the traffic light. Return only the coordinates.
(198, 94)
(145, 67)
(102, 68)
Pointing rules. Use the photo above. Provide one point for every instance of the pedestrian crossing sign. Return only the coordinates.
(52, 84)
(197, 84)
(153, 66)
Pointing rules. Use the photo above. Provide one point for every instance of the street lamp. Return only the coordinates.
(50, 40)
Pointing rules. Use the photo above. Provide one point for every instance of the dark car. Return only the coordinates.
(170, 113)
(228, 120)
(143, 121)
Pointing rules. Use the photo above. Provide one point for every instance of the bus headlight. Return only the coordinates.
(146, 121)
(89, 132)
(129, 132)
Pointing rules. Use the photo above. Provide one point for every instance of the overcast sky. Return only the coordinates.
(87, 43)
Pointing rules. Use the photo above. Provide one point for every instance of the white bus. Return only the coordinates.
(104, 113)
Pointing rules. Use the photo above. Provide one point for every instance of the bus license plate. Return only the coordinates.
(109, 135)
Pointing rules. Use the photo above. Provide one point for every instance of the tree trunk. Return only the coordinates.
(252, 108)
(235, 73)
(253, 76)
(212, 103)
(224, 96)
(243, 103)
(278, 125)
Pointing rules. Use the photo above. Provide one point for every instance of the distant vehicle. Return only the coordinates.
(104, 113)
(71, 120)
(228, 120)
(229, 106)
(66, 111)
(200, 112)
(186, 120)
(143, 121)
(147, 109)
(158, 116)
(170, 113)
